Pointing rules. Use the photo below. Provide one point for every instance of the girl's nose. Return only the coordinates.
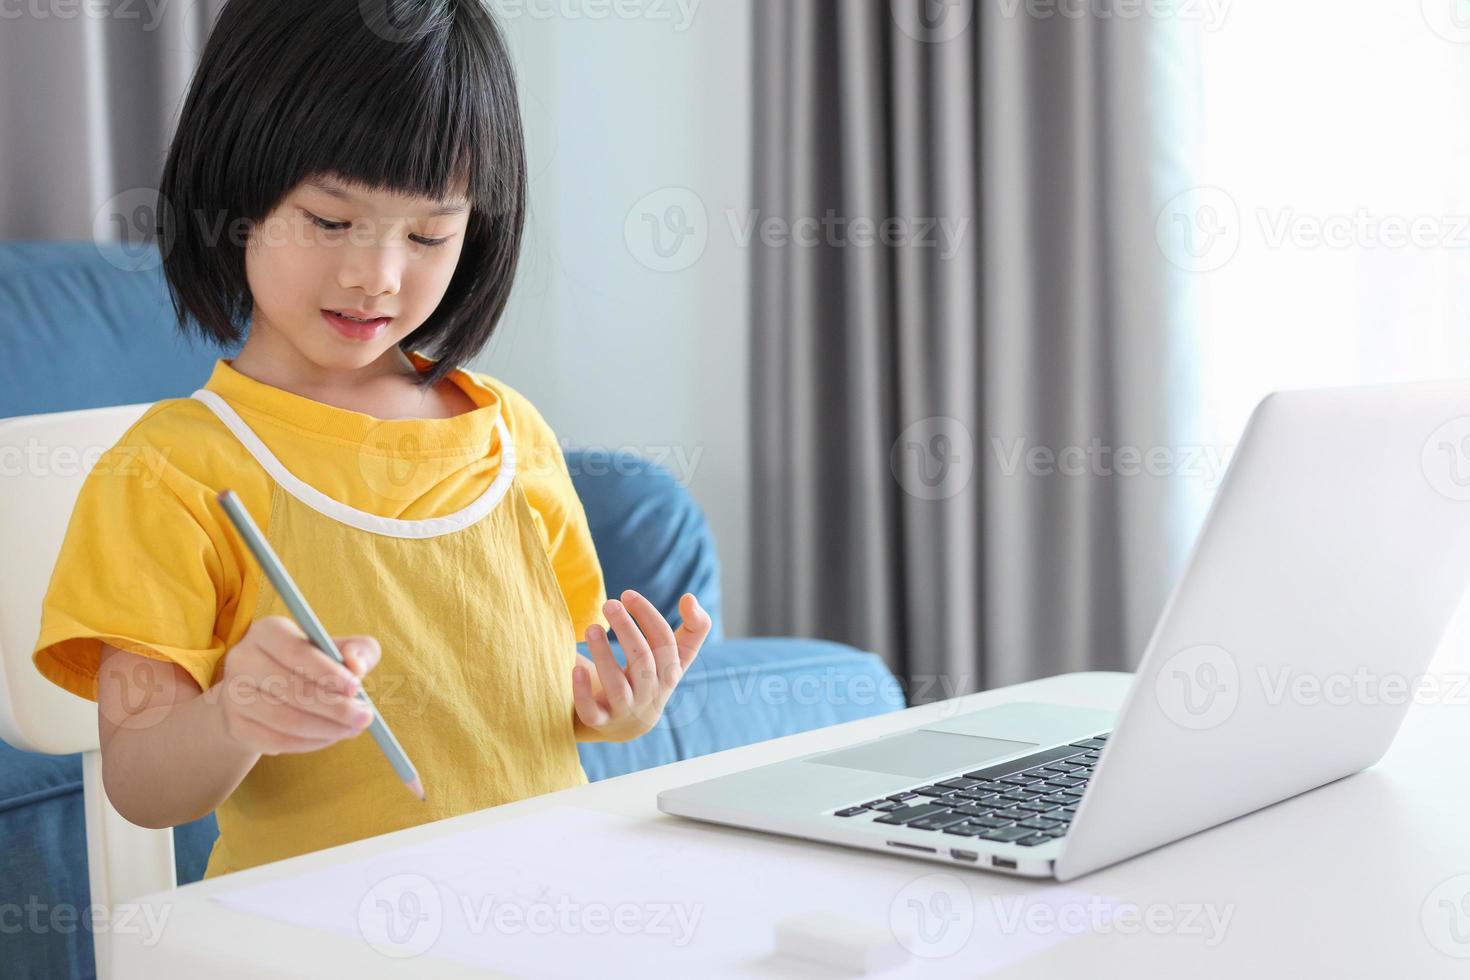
(373, 269)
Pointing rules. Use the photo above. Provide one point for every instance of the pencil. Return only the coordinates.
(314, 630)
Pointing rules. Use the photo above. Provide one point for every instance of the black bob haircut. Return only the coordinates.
(408, 96)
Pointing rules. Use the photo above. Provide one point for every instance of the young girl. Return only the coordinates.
(345, 191)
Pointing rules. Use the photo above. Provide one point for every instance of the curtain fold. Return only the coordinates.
(1019, 308)
(89, 96)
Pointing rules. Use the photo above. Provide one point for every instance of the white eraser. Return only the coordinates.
(836, 940)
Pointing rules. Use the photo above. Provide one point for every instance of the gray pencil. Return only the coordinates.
(309, 624)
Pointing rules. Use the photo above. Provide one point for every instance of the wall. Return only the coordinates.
(638, 115)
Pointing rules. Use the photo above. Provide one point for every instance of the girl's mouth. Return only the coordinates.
(355, 329)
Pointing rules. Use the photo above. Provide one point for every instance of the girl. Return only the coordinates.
(346, 190)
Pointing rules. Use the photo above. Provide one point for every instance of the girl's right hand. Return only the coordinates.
(281, 694)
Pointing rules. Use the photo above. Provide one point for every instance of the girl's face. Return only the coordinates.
(331, 247)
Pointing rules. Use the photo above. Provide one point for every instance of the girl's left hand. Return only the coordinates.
(629, 702)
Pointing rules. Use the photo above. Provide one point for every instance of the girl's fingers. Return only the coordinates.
(272, 741)
(693, 630)
(614, 685)
(641, 667)
(593, 715)
(302, 722)
(660, 637)
(283, 643)
(361, 653)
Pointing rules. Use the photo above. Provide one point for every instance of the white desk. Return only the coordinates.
(1329, 884)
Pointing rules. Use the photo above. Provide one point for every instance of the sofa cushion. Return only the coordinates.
(88, 332)
(649, 533)
(749, 690)
(43, 864)
(27, 778)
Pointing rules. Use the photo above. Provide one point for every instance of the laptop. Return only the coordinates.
(1334, 555)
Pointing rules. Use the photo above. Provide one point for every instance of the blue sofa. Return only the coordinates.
(86, 326)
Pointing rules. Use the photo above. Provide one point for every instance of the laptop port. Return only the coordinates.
(1003, 863)
(963, 855)
(912, 847)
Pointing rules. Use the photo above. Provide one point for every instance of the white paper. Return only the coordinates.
(565, 889)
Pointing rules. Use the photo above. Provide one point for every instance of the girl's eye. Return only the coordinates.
(325, 224)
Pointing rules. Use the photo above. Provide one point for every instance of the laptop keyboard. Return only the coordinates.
(1026, 801)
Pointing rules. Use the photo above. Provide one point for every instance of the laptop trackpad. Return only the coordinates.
(920, 753)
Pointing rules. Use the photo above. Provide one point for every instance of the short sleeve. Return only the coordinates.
(574, 556)
(138, 569)
(542, 468)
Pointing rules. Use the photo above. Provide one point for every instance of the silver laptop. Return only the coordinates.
(1336, 551)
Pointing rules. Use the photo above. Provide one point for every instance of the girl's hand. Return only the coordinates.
(280, 694)
(628, 703)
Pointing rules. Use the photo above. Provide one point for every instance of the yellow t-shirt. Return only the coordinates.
(147, 563)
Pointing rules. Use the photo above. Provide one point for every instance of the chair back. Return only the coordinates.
(43, 461)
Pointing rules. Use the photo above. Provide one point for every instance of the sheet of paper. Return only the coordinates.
(553, 893)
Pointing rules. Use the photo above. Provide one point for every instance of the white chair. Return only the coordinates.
(43, 460)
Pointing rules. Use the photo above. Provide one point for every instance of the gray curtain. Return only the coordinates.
(902, 389)
(89, 95)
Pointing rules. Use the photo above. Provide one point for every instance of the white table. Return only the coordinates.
(1332, 883)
